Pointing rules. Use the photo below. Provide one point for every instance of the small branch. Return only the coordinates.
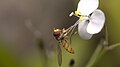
(109, 48)
(99, 52)
(113, 46)
(106, 49)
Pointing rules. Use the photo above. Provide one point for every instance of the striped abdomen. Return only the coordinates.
(66, 45)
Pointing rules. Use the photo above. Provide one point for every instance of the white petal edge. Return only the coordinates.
(86, 7)
(82, 30)
(97, 21)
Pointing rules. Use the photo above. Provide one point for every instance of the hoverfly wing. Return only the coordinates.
(70, 32)
(59, 55)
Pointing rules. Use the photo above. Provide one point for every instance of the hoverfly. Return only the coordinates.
(63, 37)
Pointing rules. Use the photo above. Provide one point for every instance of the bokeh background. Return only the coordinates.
(26, 28)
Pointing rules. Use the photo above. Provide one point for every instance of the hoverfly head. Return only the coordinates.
(56, 33)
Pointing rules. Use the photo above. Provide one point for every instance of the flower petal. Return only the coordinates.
(86, 7)
(97, 21)
(82, 30)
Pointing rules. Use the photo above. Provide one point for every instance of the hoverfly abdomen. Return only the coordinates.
(70, 50)
(66, 45)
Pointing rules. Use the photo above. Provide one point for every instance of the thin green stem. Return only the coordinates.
(99, 50)
(113, 46)
(106, 34)
(106, 49)
(94, 56)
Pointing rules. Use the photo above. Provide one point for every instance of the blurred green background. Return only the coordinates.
(26, 38)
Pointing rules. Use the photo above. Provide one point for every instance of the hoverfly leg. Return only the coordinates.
(59, 55)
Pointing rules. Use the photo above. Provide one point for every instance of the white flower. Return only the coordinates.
(95, 23)
(89, 24)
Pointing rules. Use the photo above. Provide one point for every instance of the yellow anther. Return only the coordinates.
(81, 18)
(78, 13)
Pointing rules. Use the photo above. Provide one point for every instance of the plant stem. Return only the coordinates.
(106, 34)
(100, 50)
(106, 49)
(95, 55)
(113, 46)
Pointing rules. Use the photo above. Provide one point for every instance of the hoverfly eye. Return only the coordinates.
(56, 34)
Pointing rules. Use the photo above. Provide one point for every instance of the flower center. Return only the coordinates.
(82, 17)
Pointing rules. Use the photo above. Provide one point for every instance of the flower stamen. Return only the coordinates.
(81, 18)
(77, 13)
